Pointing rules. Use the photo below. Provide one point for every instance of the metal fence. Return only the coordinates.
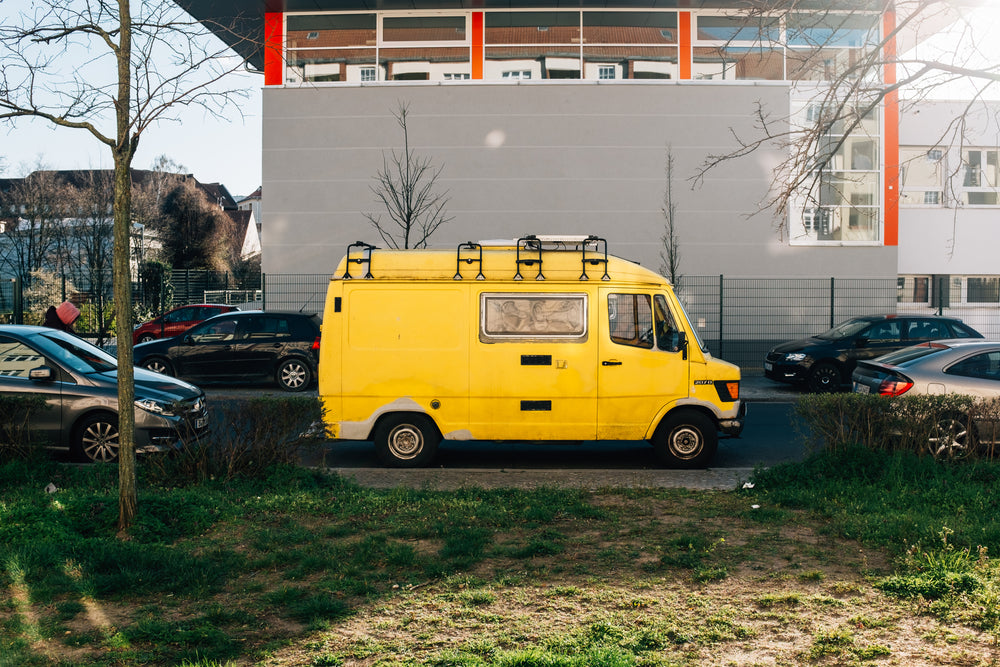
(739, 319)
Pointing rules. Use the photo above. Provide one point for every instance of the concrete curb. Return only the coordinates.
(440, 479)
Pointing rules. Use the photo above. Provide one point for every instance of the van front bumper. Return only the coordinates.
(734, 426)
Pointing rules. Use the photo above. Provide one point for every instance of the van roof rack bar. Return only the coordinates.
(529, 243)
(468, 260)
(596, 243)
(365, 258)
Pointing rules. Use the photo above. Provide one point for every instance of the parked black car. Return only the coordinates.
(825, 362)
(80, 385)
(240, 347)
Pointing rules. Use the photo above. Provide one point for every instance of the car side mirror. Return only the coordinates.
(188, 340)
(41, 374)
(861, 342)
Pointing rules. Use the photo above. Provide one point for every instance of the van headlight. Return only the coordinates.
(795, 356)
(156, 407)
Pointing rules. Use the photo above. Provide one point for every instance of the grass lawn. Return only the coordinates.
(852, 557)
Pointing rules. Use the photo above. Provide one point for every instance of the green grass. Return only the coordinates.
(240, 571)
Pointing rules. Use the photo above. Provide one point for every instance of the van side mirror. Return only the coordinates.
(681, 344)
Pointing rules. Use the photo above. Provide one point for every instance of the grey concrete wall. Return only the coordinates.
(538, 158)
(949, 239)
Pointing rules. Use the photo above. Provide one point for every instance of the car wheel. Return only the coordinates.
(824, 379)
(406, 440)
(145, 338)
(158, 365)
(685, 439)
(293, 375)
(953, 438)
(96, 438)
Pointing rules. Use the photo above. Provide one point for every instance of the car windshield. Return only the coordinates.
(900, 357)
(845, 329)
(76, 353)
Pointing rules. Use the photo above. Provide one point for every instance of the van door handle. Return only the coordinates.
(611, 363)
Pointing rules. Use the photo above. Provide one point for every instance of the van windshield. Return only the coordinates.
(687, 320)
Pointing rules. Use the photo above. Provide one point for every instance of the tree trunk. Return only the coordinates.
(123, 152)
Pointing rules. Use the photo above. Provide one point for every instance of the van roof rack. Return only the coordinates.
(529, 250)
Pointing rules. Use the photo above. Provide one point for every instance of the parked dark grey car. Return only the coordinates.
(80, 384)
(241, 347)
(824, 362)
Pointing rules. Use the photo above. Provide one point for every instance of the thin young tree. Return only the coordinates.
(406, 186)
(113, 69)
(843, 95)
(670, 251)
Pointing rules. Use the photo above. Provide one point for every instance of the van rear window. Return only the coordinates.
(520, 316)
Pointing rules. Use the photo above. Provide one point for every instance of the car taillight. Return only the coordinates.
(894, 386)
(315, 345)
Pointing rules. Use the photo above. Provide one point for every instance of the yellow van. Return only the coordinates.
(542, 339)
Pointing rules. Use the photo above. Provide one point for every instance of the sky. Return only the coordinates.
(214, 150)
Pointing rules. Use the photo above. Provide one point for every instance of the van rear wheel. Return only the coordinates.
(685, 439)
(406, 440)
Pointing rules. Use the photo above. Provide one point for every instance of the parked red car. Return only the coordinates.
(177, 321)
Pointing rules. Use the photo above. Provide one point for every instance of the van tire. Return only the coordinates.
(406, 440)
(685, 439)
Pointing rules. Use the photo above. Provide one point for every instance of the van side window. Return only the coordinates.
(667, 332)
(631, 320)
(524, 316)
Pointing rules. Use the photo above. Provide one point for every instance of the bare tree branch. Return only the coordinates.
(405, 185)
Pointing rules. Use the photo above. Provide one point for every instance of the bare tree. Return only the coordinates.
(406, 187)
(148, 195)
(670, 253)
(88, 245)
(840, 97)
(94, 66)
(36, 234)
(196, 233)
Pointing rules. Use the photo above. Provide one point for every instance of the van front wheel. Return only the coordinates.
(686, 439)
(406, 441)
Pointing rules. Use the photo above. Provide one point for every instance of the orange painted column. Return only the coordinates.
(685, 57)
(478, 39)
(274, 58)
(890, 136)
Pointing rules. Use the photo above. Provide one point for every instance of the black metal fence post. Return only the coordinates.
(833, 301)
(18, 300)
(263, 291)
(722, 301)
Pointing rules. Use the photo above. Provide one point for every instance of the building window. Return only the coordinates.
(980, 177)
(558, 43)
(606, 72)
(518, 74)
(913, 289)
(982, 290)
(368, 74)
(921, 175)
(456, 76)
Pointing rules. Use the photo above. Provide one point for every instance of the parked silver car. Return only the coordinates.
(80, 384)
(968, 367)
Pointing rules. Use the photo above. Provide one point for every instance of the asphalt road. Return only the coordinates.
(770, 436)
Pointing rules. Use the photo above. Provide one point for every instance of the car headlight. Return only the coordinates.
(156, 407)
(795, 356)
